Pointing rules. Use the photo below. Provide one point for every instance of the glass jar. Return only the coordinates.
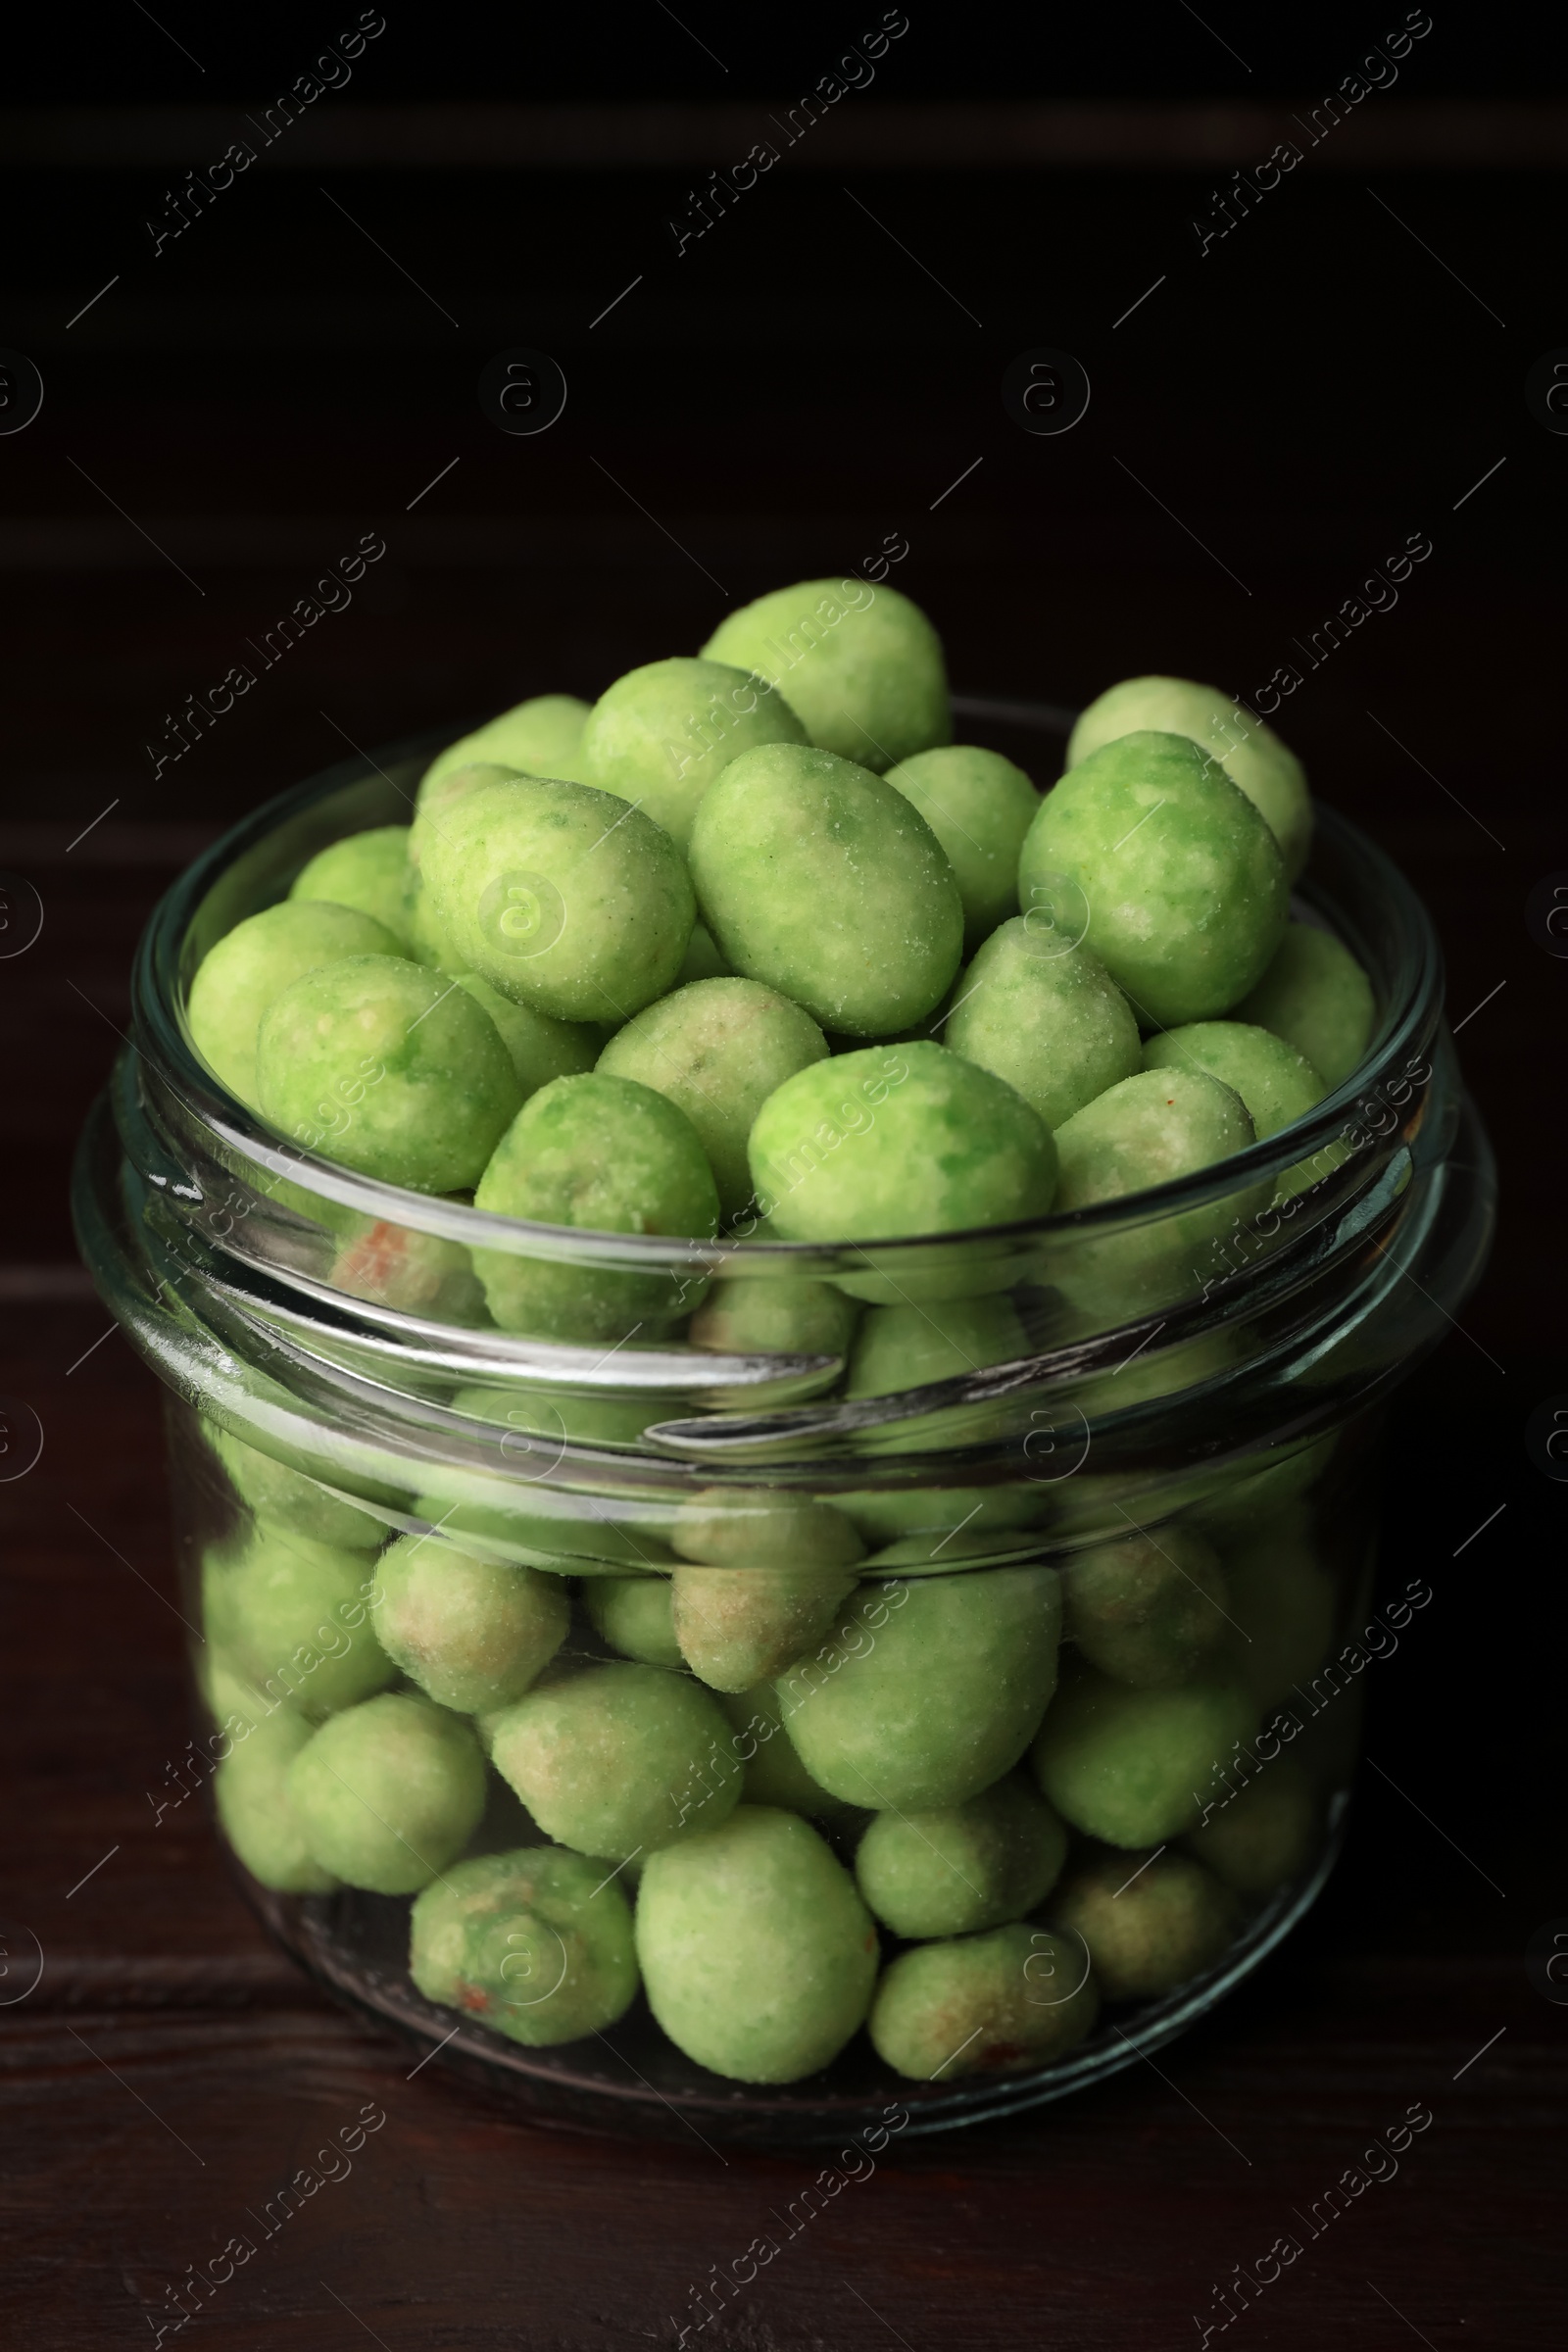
(1150, 1428)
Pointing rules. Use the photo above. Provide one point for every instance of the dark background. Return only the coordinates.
(815, 374)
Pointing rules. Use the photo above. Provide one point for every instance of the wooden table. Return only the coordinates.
(168, 2070)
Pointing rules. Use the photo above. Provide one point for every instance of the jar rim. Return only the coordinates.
(1411, 991)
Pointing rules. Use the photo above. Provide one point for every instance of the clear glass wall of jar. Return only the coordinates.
(865, 1495)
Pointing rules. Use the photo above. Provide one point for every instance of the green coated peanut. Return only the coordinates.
(1128, 1765)
(389, 1793)
(532, 1943)
(1182, 887)
(821, 880)
(388, 1069)
(717, 1049)
(368, 870)
(248, 969)
(250, 1789)
(861, 665)
(289, 1500)
(772, 1774)
(632, 1613)
(757, 1954)
(296, 1614)
(741, 1626)
(898, 1347)
(979, 806)
(1148, 1932)
(473, 1634)
(608, 1154)
(956, 1869)
(618, 1758)
(1148, 1609)
(540, 1047)
(929, 1691)
(900, 1141)
(752, 1315)
(1317, 997)
(1266, 1833)
(1246, 747)
(994, 2004)
(540, 737)
(660, 734)
(1047, 1017)
(1276, 1082)
(562, 896)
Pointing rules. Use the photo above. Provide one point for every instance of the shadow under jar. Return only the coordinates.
(1031, 1593)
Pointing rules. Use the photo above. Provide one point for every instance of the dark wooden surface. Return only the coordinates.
(792, 392)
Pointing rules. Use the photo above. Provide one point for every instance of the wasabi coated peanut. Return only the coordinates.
(768, 1575)
(772, 1773)
(1155, 1372)
(1317, 997)
(532, 1943)
(890, 1141)
(1148, 1932)
(288, 1500)
(1277, 1084)
(961, 1868)
(927, 1692)
(366, 870)
(898, 1347)
(618, 1758)
(1264, 1835)
(388, 1070)
(554, 1416)
(421, 1273)
(1184, 887)
(763, 1527)
(979, 806)
(1250, 752)
(757, 1954)
(536, 738)
(297, 1615)
(427, 941)
(751, 1316)
(660, 735)
(717, 1049)
(1148, 1130)
(861, 665)
(995, 2005)
(926, 1516)
(823, 881)
(389, 1793)
(250, 967)
(565, 897)
(473, 1634)
(1285, 1608)
(250, 1789)
(1148, 1609)
(741, 1626)
(540, 1047)
(1126, 1765)
(1049, 1019)
(233, 1701)
(610, 1155)
(632, 1613)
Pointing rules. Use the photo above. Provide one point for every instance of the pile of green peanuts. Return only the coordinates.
(675, 965)
(751, 948)
(780, 1788)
